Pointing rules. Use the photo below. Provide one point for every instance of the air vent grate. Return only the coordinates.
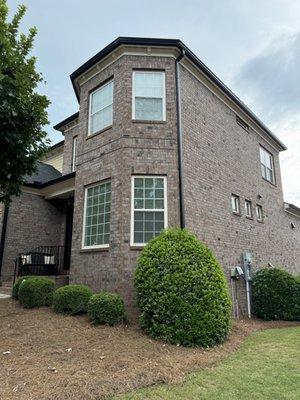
(242, 123)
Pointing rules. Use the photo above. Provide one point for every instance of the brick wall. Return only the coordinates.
(32, 222)
(125, 149)
(221, 158)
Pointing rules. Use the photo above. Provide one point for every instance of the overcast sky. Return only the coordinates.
(252, 45)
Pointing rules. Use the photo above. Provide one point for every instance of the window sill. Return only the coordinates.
(251, 218)
(261, 221)
(139, 247)
(99, 132)
(94, 250)
(271, 183)
(236, 214)
(149, 122)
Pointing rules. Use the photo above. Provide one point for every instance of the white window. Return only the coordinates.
(267, 165)
(235, 204)
(248, 208)
(148, 103)
(259, 213)
(149, 208)
(101, 108)
(74, 154)
(96, 225)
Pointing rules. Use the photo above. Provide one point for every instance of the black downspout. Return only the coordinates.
(179, 140)
(3, 234)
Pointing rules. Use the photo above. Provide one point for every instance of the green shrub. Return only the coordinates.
(15, 289)
(71, 299)
(182, 291)
(107, 308)
(36, 292)
(275, 294)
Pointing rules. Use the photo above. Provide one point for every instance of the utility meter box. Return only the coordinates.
(247, 264)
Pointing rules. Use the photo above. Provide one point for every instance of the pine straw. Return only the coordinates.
(104, 361)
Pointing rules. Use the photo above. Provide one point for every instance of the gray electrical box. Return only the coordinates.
(247, 264)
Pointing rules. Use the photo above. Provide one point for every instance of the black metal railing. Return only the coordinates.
(43, 260)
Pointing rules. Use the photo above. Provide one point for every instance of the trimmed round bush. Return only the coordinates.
(182, 291)
(15, 289)
(71, 299)
(107, 308)
(275, 294)
(36, 292)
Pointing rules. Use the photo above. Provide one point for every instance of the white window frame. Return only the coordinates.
(163, 98)
(99, 246)
(261, 148)
(90, 107)
(74, 153)
(165, 210)
(248, 202)
(233, 197)
(258, 206)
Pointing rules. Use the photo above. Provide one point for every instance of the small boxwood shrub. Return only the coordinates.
(275, 294)
(71, 299)
(107, 308)
(36, 292)
(182, 291)
(15, 289)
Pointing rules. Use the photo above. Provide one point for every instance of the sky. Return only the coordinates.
(253, 46)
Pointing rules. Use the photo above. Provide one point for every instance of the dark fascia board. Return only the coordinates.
(57, 145)
(294, 208)
(189, 54)
(66, 121)
(52, 182)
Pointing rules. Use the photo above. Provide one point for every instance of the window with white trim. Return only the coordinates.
(74, 154)
(235, 204)
(248, 208)
(259, 212)
(267, 165)
(96, 227)
(149, 208)
(101, 108)
(149, 96)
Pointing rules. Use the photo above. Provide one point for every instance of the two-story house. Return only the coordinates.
(158, 141)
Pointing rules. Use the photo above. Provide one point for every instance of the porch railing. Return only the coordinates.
(43, 260)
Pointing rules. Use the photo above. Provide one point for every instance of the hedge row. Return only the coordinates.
(103, 307)
(276, 295)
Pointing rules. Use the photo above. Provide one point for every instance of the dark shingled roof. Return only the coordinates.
(44, 173)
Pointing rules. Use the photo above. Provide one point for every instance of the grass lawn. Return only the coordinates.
(267, 366)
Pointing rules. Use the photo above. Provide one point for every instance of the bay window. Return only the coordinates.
(149, 208)
(148, 96)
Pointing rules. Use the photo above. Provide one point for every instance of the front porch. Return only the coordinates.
(38, 236)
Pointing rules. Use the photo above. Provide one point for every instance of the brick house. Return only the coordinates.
(158, 141)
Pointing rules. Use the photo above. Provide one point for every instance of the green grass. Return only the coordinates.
(267, 366)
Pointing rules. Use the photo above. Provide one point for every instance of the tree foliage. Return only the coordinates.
(22, 110)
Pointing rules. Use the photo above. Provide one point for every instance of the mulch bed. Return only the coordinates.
(62, 357)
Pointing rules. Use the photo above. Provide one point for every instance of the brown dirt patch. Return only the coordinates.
(104, 361)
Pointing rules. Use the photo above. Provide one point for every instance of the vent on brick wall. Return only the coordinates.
(242, 123)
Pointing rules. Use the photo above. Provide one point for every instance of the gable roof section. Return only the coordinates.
(43, 174)
(155, 42)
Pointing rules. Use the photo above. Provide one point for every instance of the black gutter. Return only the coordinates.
(66, 121)
(189, 54)
(57, 145)
(179, 142)
(3, 236)
(52, 182)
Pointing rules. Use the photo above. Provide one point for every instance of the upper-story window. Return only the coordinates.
(248, 208)
(149, 99)
(101, 108)
(267, 165)
(74, 154)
